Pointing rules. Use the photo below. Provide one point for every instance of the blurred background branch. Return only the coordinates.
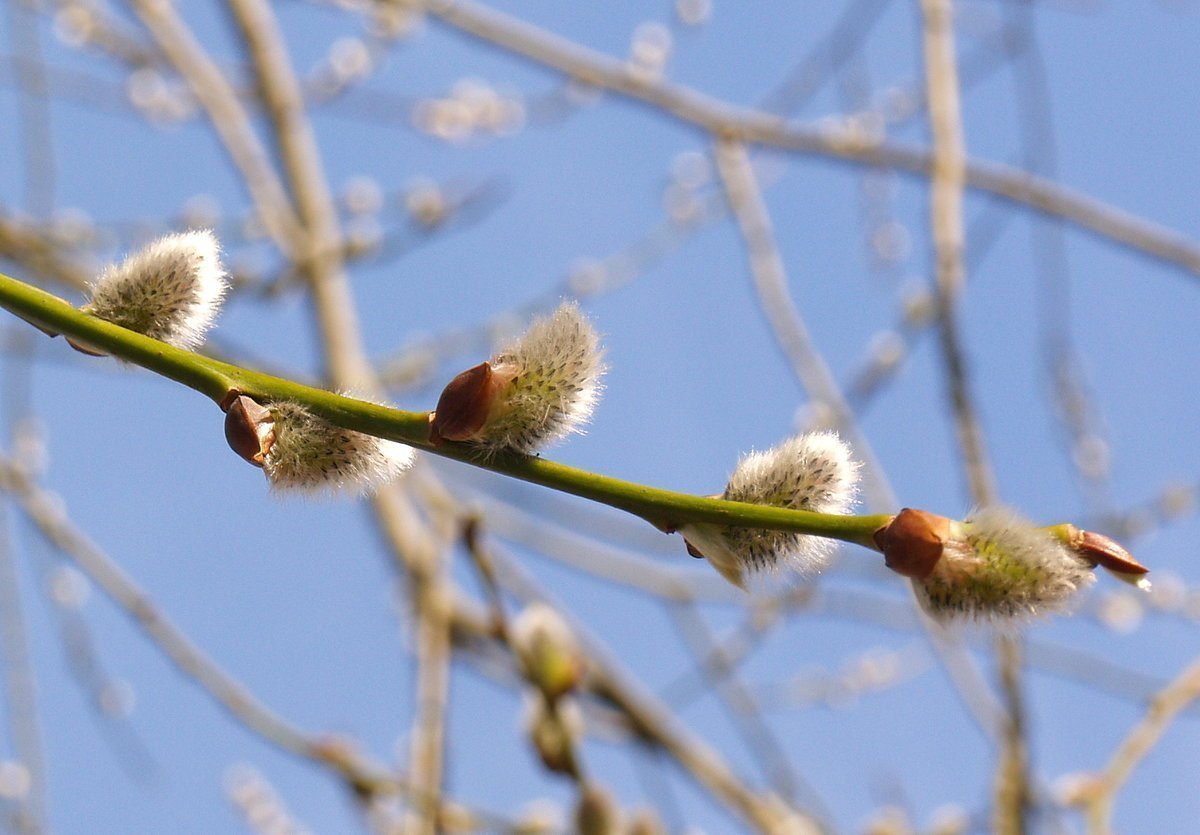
(400, 186)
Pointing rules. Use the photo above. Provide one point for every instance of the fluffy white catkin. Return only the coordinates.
(1000, 567)
(813, 472)
(171, 290)
(555, 369)
(309, 454)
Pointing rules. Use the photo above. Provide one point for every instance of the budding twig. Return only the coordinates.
(665, 509)
(754, 127)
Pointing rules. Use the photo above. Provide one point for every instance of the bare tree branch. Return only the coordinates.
(756, 128)
(1164, 707)
(228, 116)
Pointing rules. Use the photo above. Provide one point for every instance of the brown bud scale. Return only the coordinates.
(249, 428)
(83, 347)
(463, 407)
(1104, 551)
(913, 541)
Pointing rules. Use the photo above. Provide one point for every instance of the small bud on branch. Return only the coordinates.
(555, 729)
(249, 428)
(912, 543)
(546, 650)
(465, 404)
(597, 813)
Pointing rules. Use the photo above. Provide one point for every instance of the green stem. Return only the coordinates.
(665, 509)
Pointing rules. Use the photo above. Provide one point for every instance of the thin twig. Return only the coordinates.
(949, 150)
(601, 561)
(433, 595)
(321, 262)
(481, 559)
(228, 116)
(427, 735)
(844, 41)
(320, 253)
(37, 138)
(946, 223)
(770, 278)
(22, 704)
(1012, 789)
(1097, 672)
(1164, 707)
(23, 244)
(735, 646)
(857, 677)
(652, 721)
(20, 690)
(721, 675)
(108, 33)
(43, 509)
(1077, 413)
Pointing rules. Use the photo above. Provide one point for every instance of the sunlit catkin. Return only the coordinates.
(997, 566)
(814, 472)
(534, 392)
(171, 290)
(301, 452)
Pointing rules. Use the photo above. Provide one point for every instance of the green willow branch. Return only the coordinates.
(665, 509)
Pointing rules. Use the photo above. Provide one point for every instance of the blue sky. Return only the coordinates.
(296, 597)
